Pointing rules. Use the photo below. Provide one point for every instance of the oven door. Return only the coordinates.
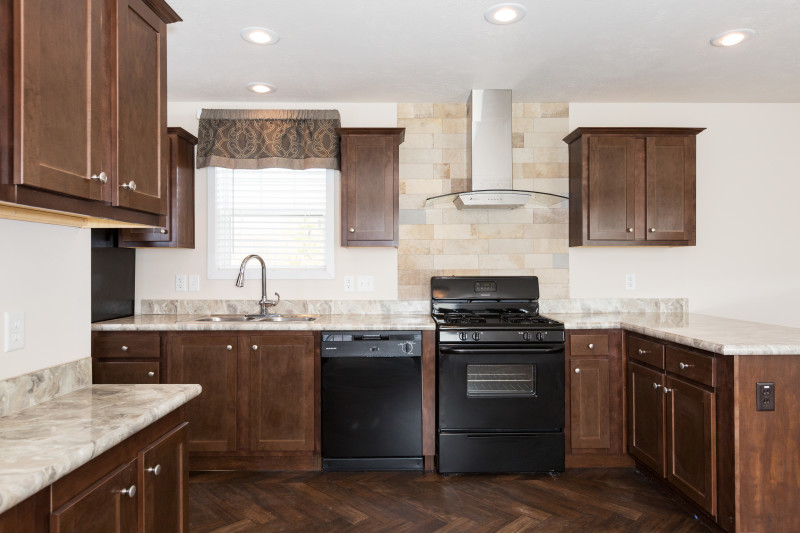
(501, 387)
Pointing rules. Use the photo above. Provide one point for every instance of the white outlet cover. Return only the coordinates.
(630, 282)
(365, 283)
(14, 330)
(349, 283)
(180, 283)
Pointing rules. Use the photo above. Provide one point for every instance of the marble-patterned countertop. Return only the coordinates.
(43, 443)
(323, 322)
(715, 334)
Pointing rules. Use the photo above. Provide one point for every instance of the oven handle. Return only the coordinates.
(523, 349)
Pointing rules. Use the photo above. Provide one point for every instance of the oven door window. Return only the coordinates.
(500, 381)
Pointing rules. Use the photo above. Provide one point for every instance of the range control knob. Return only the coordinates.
(407, 347)
(476, 336)
(540, 335)
(526, 336)
(462, 336)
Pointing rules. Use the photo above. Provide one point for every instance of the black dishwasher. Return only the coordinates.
(371, 400)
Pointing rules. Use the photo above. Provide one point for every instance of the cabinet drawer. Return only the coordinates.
(121, 372)
(126, 345)
(588, 345)
(691, 365)
(646, 351)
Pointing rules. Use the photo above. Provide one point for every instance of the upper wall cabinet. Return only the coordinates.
(370, 185)
(178, 230)
(83, 117)
(632, 186)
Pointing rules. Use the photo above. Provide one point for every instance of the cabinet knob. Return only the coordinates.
(656, 385)
(151, 373)
(255, 347)
(352, 230)
(630, 230)
(667, 391)
(102, 177)
(131, 185)
(124, 348)
(229, 347)
(642, 352)
(684, 366)
(652, 230)
(156, 470)
(591, 346)
(130, 491)
(577, 370)
(163, 231)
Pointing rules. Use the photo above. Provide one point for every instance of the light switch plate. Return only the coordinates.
(365, 283)
(194, 283)
(14, 331)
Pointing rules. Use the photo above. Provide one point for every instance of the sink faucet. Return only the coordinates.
(264, 303)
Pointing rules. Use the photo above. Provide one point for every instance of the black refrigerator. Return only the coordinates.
(113, 276)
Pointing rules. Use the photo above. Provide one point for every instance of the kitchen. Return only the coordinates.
(745, 185)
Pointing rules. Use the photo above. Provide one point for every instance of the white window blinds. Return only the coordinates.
(282, 215)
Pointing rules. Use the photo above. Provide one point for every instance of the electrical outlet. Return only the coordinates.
(765, 396)
(194, 283)
(366, 283)
(14, 331)
(349, 283)
(630, 282)
(180, 282)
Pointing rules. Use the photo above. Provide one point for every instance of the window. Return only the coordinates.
(285, 216)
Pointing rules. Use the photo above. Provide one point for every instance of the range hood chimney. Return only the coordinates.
(489, 158)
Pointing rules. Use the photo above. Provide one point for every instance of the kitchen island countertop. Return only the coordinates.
(43, 443)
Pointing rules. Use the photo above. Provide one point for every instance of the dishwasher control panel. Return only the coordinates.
(371, 344)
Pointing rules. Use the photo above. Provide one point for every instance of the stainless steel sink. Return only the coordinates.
(255, 318)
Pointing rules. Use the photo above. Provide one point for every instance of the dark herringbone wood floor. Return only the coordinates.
(608, 500)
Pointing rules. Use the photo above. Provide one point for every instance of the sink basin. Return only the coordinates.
(255, 318)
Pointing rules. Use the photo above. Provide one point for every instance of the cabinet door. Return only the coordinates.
(101, 507)
(164, 482)
(282, 393)
(125, 372)
(589, 403)
(611, 206)
(670, 188)
(65, 124)
(141, 108)
(210, 361)
(370, 189)
(646, 416)
(691, 442)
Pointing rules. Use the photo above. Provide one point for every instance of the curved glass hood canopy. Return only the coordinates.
(489, 158)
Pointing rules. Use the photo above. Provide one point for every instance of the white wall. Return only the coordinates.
(747, 260)
(156, 268)
(45, 271)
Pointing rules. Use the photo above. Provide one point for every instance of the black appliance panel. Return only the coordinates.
(485, 288)
(499, 453)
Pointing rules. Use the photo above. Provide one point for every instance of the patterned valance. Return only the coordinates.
(262, 138)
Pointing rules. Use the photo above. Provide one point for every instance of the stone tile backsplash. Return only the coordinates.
(444, 241)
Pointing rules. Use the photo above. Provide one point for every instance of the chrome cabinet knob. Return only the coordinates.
(652, 230)
(102, 177)
(591, 346)
(156, 470)
(642, 352)
(130, 491)
(667, 391)
(163, 231)
(352, 230)
(151, 373)
(255, 347)
(684, 366)
(229, 347)
(131, 185)
(656, 385)
(577, 370)
(124, 348)
(630, 230)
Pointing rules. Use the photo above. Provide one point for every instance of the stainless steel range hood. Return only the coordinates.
(489, 158)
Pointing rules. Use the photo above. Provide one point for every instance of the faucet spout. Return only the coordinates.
(264, 303)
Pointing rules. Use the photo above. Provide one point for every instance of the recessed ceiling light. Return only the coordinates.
(259, 35)
(260, 88)
(732, 37)
(505, 13)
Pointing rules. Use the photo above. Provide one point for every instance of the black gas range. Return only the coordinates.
(500, 376)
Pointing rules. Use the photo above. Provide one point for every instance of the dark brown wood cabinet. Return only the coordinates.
(84, 125)
(163, 476)
(646, 416)
(595, 406)
(632, 186)
(211, 361)
(126, 358)
(178, 228)
(370, 185)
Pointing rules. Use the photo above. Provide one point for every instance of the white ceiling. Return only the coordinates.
(437, 50)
